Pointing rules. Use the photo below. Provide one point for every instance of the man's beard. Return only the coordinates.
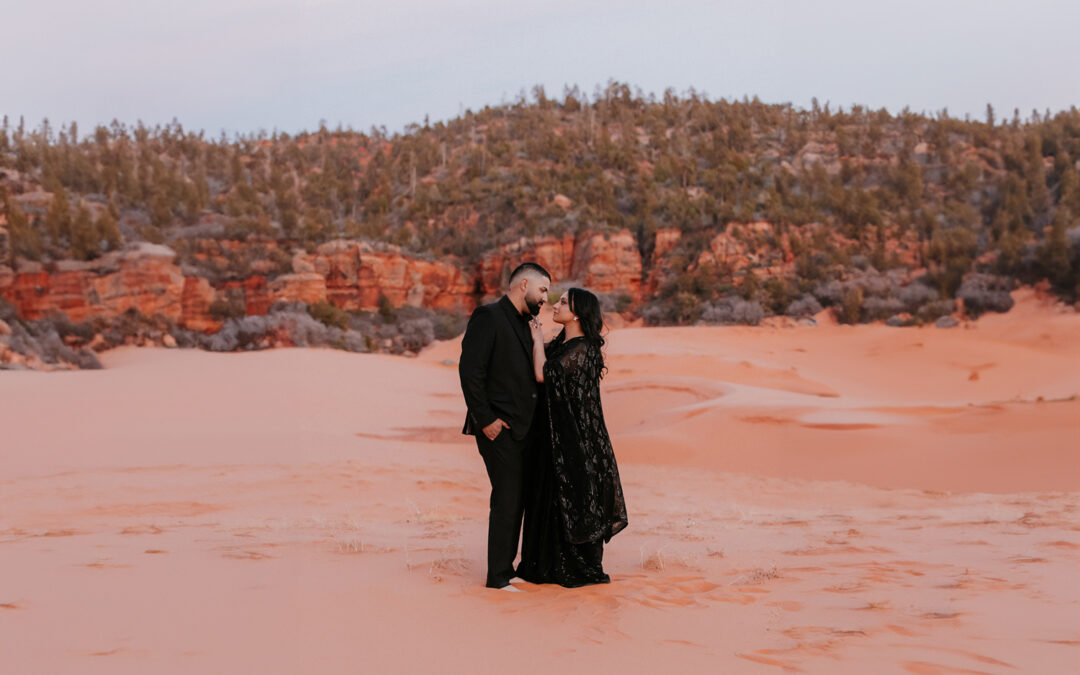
(533, 306)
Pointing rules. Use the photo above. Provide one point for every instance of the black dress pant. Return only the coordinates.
(505, 461)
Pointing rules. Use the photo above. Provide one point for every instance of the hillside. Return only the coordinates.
(676, 209)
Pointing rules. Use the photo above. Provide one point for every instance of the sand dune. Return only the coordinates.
(827, 499)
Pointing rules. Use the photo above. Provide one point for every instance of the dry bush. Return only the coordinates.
(985, 293)
(805, 306)
(733, 310)
(43, 339)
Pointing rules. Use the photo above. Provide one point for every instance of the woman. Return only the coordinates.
(576, 502)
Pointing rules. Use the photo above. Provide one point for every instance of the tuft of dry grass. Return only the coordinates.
(449, 561)
(659, 561)
(350, 545)
(756, 576)
(654, 562)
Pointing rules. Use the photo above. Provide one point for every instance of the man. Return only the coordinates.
(500, 389)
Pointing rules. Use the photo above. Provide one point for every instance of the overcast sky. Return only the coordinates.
(245, 65)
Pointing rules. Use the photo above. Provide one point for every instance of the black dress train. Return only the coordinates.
(575, 500)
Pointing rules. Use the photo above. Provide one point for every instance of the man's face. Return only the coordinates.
(536, 293)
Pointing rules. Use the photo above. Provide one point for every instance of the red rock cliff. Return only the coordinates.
(142, 277)
(351, 275)
(604, 263)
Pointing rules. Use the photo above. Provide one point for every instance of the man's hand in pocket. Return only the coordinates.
(495, 428)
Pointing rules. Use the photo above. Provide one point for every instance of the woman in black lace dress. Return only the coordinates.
(575, 502)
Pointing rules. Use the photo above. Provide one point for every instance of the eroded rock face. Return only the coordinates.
(740, 246)
(255, 294)
(143, 277)
(195, 303)
(609, 263)
(308, 287)
(356, 274)
(555, 254)
(665, 241)
(603, 263)
(350, 274)
(353, 274)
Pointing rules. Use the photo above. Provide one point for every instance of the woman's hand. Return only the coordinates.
(538, 348)
(537, 330)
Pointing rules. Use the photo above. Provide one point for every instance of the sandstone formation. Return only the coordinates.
(741, 246)
(356, 274)
(665, 240)
(556, 254)
(308, 287)
(609, 263)
(142, 277)
(604, 263)
(145, 277)
(224, 278)
(195, 301)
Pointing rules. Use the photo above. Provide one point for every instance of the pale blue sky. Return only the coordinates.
(245, 65)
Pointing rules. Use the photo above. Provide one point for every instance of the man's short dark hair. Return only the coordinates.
(528, 267)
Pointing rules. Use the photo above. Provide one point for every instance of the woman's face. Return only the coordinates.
(561, 310)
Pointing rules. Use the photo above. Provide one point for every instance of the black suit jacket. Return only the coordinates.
(496, 369)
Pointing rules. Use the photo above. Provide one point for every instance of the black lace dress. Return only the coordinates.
(575, 500)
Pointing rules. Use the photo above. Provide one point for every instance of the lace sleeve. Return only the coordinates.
(575, 361)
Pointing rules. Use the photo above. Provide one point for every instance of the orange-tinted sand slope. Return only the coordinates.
(824, 499)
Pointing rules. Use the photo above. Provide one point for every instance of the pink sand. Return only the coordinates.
(826, 500)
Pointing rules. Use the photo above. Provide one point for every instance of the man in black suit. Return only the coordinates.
(499, 384)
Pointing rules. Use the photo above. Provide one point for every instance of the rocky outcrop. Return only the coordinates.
(308, 287)
(142, 277)
(219, 279)
(665, 241)
(768, 250)
(741, 246)
(254, 293)
(195, 301)
(145, 277)
(602, 262)
(556, 254)
(609, 263)
(356, 274)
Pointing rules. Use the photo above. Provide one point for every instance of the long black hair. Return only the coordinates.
(586, 307)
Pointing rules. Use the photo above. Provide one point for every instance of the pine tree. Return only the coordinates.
(58, 217)
(192, 203)
(950, 255)
(851, 310)
(23, 239)
(750, 285)
(1054, 253)
(84, 240)
(1070, 190)
(108, 231)
(1038, 192)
